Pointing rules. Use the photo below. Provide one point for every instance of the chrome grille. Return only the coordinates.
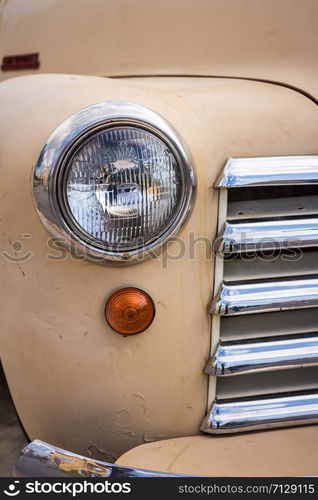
(264, 360)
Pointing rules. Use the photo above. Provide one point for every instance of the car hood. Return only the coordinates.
(254, 39)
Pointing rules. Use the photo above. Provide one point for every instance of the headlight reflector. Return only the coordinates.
(124, 187)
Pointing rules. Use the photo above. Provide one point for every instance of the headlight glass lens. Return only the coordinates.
(123, 187)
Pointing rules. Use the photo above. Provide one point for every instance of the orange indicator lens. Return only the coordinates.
(129, 311)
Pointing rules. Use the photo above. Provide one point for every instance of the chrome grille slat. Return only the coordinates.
(253, 298)
(269, 171)
(257, 414)
(269, 235)
(265, 309)
(250, 357)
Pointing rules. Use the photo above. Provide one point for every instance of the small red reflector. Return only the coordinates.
(19, 62)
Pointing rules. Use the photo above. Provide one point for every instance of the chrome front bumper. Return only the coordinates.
(40, 459)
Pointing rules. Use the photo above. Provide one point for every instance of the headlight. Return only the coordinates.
(114, 181)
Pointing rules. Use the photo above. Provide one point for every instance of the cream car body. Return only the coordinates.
(235, 79)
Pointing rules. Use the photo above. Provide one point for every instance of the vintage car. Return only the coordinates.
(159, 235)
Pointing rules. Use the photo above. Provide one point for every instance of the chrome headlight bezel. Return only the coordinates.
(49, 175)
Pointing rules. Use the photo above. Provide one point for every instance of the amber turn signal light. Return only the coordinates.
(129, 311)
